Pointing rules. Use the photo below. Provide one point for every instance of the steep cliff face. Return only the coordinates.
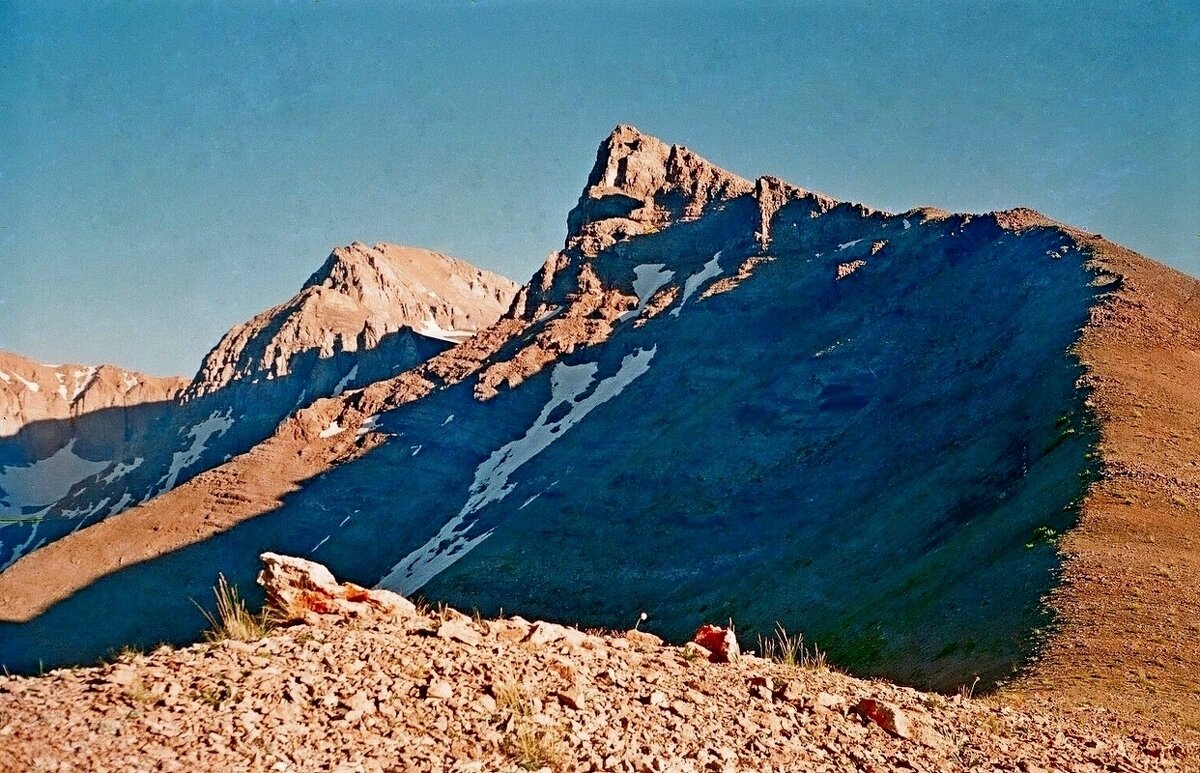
(62, 424)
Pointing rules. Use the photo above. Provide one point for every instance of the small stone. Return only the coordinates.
(459, 630)
(682, 708)
(791, 692)
(644, 640)
(440, 690)
(572, 698)
(829, 700)
(543, 633)
(122, 676)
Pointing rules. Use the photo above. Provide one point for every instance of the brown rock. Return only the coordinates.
(643, 640)
(543, 633)
(459, 630)
(571, 698)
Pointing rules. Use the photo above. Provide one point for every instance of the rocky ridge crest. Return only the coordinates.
(366, 681)
(31, 391)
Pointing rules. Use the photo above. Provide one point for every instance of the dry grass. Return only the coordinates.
(531, 745)
(535, 748)
(233, 619)
(511, 697)
(790, 650)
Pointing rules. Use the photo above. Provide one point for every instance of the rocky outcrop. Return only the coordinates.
(359, 297)
(300, 591)
(639, 184)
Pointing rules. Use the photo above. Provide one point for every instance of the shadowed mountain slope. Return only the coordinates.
(722, 398)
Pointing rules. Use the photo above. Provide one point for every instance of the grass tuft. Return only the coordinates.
(534, 748)
(233, 619)
(967, 692)
(790, 650)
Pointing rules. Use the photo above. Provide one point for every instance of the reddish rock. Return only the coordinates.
(900, 723)
(720, 642)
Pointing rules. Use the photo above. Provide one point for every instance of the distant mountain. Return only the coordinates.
(83, 444)
(721, 399)
(357, 299)
(32, 392)
(60, 424)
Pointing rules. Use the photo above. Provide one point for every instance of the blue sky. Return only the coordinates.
(169, 169)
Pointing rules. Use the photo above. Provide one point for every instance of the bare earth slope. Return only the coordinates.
(891, 375)
(1130, 604)
(400, 689)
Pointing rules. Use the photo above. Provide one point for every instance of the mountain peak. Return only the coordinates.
(639, 182)
(358, 295)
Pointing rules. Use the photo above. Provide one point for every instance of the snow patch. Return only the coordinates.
(121, 504)
(648, 279)
(128, 380)
(333, 429)
(711, 269)
(24, 547)
(548, 315)
(368, 424)
(30, 385)
(215, 425)
(121, 469)
(568, 385)
(62, 384)
(45, 481)
(82, 380)
(431, 329)
(345, 382)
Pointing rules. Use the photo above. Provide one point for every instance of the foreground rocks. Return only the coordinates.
(369, 683)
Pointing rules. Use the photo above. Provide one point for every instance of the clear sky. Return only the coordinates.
(169, 169)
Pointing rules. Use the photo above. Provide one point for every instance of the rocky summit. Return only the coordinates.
(954, 451)
(365, 681)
